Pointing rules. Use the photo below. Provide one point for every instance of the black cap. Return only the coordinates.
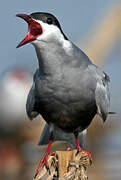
(47, 18)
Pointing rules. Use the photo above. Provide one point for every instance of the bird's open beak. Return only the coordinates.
(34, 29)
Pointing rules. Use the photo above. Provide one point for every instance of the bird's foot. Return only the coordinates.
(69, 149)
(53, 154)
(87, 152)
(44, 161)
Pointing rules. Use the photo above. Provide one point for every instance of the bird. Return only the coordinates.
(68, 90)
(61, 136)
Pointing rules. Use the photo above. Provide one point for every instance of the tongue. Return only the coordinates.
(27, 39)
(34, 27)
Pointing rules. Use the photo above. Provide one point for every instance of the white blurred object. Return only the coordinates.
(14, 87)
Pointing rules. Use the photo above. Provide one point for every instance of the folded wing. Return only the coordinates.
(102, 95)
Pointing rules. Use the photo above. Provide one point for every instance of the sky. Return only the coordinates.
(76, 17)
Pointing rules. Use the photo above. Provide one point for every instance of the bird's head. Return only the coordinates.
(41, 27)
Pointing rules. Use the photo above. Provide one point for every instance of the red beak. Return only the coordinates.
(34, 29)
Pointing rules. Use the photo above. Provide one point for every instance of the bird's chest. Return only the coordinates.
(67, 102)
(53, 92)
(64, 95)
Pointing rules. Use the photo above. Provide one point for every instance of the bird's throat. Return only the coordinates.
(50, 58)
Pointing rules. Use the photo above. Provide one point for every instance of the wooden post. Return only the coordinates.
(66, 165)
(64, 157)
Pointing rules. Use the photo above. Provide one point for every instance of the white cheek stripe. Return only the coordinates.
(49, 30)
(52, 31)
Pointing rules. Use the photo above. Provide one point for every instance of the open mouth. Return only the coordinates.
(34, 29)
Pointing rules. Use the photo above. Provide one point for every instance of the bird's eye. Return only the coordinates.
(49, 20)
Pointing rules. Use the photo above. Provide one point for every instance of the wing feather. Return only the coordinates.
(102, 95)
(31, 107)
(62, 136)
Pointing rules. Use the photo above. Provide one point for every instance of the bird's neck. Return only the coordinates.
(52, 56)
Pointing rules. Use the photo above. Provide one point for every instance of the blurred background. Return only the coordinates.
(95, 26)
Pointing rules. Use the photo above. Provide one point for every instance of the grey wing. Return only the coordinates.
(62, 136)
(31, 104)
(102, 95)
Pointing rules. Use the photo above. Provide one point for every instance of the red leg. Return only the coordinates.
(89, 154)
(44, 160)
(79, 149)
(77, 144)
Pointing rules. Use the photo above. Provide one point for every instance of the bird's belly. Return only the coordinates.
(70, 123)
(68, 117)
(68, 108)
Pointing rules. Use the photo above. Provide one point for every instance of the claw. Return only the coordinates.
(35, 175)
(48, 169)
(80, 149)
(88, 153)
(53, 154)
(44, 161)
(69, 149)
(90, 162)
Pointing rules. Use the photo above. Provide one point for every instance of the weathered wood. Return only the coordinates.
(64, 157)
(66, 165)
